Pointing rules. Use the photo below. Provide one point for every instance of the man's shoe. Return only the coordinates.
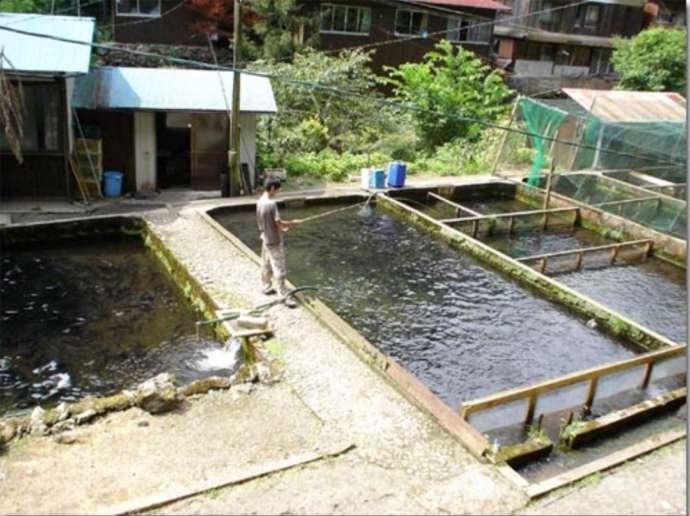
(268, 291)
(290, 303)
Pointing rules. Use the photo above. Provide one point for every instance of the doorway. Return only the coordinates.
(174, 132)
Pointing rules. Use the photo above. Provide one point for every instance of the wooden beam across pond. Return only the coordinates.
(511, 216)
(587, 375)
(614, 248)
(458, 207)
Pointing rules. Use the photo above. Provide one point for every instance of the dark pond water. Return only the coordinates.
(652, 292)
(463, 330)
(92, 318)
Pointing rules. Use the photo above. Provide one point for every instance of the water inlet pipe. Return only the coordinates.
(254, 311)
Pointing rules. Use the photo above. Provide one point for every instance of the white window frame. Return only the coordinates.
(348, 9)
(138, 14)
(472, 21)
(423, 27)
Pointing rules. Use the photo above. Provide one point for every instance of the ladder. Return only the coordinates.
(86, 163)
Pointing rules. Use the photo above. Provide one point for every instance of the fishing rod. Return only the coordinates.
(337, 210)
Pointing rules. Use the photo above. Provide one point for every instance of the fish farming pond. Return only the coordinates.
(464, 330)
(91, 317)
(651, 292)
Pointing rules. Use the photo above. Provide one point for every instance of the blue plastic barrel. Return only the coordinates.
(113, 183)
(396, 174)
(377, 179)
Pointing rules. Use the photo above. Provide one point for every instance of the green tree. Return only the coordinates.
(278, 24)
(312, 119)
(36, 6)
(654, 60)
(454, 83)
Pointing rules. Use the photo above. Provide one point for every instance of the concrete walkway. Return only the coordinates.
(402, 463)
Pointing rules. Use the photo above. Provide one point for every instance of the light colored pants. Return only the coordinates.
(273, 266)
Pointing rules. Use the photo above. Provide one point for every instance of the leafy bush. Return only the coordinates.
(455, 86)
(655, 59)
(460, 156)
(328, 164)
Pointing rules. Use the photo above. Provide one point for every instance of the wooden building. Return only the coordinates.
(167, 127)
(45, 70)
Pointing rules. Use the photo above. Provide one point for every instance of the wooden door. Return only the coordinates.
(209, 150)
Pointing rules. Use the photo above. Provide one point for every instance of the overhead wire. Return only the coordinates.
(334, 91)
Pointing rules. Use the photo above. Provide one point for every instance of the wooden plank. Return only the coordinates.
(224, 480)
(626, 417)
(583, 250)
(501, 398)
(453, 204)
(507, 215)
(604, 463)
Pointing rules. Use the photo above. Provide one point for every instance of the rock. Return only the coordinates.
(7, 432)
(38, 425)
(158, 394)
(85, 416)
(592, 323)
(244, 388)
(38, 415)
(62, 411)
(63, 426)
(143, 423)
(204, 385)
(65, 438)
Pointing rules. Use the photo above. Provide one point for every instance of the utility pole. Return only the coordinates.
(234, 153)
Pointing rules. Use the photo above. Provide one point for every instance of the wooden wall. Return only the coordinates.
(117, 133)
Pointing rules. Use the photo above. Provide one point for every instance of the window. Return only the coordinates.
(139, 8)
(599, 63)
(468, 29)
(410, 23)
(548, 18)
(587, 16)
(345, 19)
(42, 108)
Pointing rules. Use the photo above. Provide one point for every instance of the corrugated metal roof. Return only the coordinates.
(630, 106)
(170, 89)
(46, 56)
(477, 4)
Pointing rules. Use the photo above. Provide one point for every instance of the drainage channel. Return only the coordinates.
(91, 315)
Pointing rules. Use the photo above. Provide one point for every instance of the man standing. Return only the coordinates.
(271, 227)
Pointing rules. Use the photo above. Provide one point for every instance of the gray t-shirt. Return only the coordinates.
(266, 217)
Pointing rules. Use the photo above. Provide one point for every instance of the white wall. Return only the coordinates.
(248, 143)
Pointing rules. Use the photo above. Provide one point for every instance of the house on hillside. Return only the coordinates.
(46, 70)
(549, 44)
(402, 32)
(167, 127)
(397, 31)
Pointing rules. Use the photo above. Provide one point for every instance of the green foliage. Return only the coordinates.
(460, 156)
(451, 83)
(35, 6)
(654, 60)
(313, 126)
(277, 24)
(332, 165)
